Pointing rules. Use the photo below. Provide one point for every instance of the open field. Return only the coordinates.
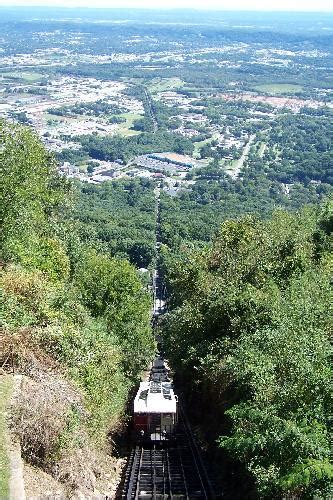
(278, 88)
(125, 128)
(67, 119)
(200, 90)
(261, 149)
(50, 116)
(230, 165)
(26, 76)
(6, 383)
(161, 84)
(199, 144)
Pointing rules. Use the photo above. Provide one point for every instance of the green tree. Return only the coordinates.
(33, 196)
(249, 327)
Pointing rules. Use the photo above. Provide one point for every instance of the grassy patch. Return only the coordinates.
(199, 144)
(232, 164)
(279, 88)
(77, 118)
(161, 84)
(197, 91)
(125, 128)
(26, 76)
(261, 149)
(50, 116)
(6, 384)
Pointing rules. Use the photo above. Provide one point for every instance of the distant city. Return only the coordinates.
(219, 90)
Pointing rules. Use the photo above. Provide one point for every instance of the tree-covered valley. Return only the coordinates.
(247, 329)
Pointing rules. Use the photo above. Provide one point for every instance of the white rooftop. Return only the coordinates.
(155, 397)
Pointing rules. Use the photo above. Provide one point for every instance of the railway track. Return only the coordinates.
(151, 111)
(167, 470)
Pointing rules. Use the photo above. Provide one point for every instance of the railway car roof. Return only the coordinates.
(155, 397)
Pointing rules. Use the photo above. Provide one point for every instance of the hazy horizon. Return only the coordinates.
(210, 5)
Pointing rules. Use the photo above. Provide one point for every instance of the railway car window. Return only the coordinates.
(141, 418)
(155, 387)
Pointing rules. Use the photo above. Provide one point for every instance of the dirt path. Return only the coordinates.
(11, 465)
(16, 483)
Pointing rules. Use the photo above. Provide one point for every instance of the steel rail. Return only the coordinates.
(183, 472)
(201, 469)
(168, 471)
(157, 474)
(137, 491)
(154, 470)
(131, 479)
(171, 470)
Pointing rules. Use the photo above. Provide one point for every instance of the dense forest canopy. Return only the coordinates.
(120, 217)
(248, 332)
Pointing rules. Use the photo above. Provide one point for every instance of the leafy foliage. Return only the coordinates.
(64, 295)
(250, 322)
(119, 217)
(33, 196)
(125, 148)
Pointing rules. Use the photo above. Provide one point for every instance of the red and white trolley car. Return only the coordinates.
(155, 411)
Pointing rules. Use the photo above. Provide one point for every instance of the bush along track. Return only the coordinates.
(76, 321)
(248, 333)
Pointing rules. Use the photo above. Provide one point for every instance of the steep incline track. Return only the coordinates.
(168, 470)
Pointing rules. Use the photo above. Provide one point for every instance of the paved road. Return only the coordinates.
(234, 173)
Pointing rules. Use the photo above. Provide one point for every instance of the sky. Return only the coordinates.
(284, 5)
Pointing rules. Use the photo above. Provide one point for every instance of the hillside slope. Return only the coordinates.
(249, 337)
(76, 322)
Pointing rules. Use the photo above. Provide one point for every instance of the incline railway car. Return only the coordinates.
(155, 411)
(159, 371)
